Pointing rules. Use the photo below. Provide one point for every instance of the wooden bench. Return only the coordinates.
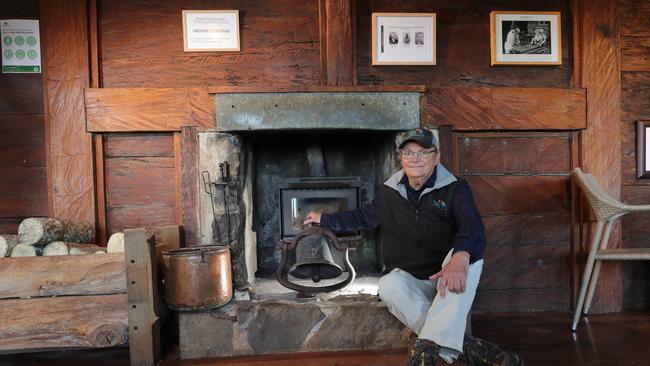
(62, 302)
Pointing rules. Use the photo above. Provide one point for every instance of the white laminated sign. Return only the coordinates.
(21, 46)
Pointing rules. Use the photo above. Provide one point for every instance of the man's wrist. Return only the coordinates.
(462, 255)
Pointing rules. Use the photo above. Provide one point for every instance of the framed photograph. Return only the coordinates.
(525, 38)
(210, 30)
(403, 38)
(642, 149)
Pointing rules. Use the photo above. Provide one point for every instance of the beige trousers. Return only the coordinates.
(416, 304)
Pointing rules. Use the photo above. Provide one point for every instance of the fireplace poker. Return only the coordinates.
(224, 170)
(224, 182)
(207, 187)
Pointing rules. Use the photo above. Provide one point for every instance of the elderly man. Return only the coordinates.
(433, 241)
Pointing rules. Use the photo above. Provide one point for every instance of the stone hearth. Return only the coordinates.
(304, 325)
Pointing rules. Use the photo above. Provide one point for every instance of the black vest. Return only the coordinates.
(416, 239)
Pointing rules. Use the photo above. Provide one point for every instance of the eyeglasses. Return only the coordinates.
(417, 154)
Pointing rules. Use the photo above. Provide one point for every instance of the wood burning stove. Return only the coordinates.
(299, 196)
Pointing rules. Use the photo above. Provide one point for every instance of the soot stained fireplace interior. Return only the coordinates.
(273, 140)
(280, 158)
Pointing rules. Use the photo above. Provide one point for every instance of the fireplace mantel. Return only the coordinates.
(167, 109)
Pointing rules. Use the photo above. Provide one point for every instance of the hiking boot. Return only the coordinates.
(477, 352)
(423, 352)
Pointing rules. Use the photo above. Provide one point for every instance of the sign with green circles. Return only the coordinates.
(21, 46)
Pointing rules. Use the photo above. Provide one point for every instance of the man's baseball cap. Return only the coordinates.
(421, 136)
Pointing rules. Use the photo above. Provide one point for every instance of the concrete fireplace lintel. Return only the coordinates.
(379, 111)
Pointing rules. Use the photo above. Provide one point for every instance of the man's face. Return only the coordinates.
(418, 167)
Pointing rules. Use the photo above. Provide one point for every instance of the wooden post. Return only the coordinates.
(141, 276)
(601, 141)
(338, 19)
(68, 146)
(100, 192)
(189, 145)
(147, 310)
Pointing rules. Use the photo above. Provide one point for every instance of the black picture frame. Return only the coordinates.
(642, 149)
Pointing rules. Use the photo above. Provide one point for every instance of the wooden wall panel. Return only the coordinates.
(512, 155)
(142, 45)
(517, 300)
(494, 108)
(140, 180)
(27, 9)
(515, 194)
(26, 195)
(518, 229)
(139, 145)
(525, 267)
(634, 19)
(463, 50)
(520, 185)
(161, 109)
(10, 225)
(339, 43)
(22, 141)
(635, 54)
(21, 93)
(121, 218)
(23, 180)
(64, 32)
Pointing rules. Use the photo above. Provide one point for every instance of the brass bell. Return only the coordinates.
(314, 260)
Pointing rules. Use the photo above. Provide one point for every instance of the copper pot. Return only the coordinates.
(197, 278)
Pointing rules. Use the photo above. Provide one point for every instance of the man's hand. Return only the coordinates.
(312, 217)
(453, 276)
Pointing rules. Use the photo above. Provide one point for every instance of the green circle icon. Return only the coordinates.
(31, 40)
(8, 54)
(20, 54)
(7, 41)
(20, 40)
(31, 54)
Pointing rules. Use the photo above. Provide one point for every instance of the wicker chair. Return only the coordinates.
(607, 210)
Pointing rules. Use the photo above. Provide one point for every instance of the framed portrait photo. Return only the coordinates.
(210, 30)
(403, 38)
(643, 149)
(525, 38)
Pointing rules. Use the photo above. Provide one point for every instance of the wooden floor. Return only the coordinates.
(543, 339)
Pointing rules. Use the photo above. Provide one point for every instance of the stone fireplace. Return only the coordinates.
(266, 138)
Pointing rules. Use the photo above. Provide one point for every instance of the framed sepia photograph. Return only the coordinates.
(210, 30)
(403, 38)
(642, 149)
(525, 38)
